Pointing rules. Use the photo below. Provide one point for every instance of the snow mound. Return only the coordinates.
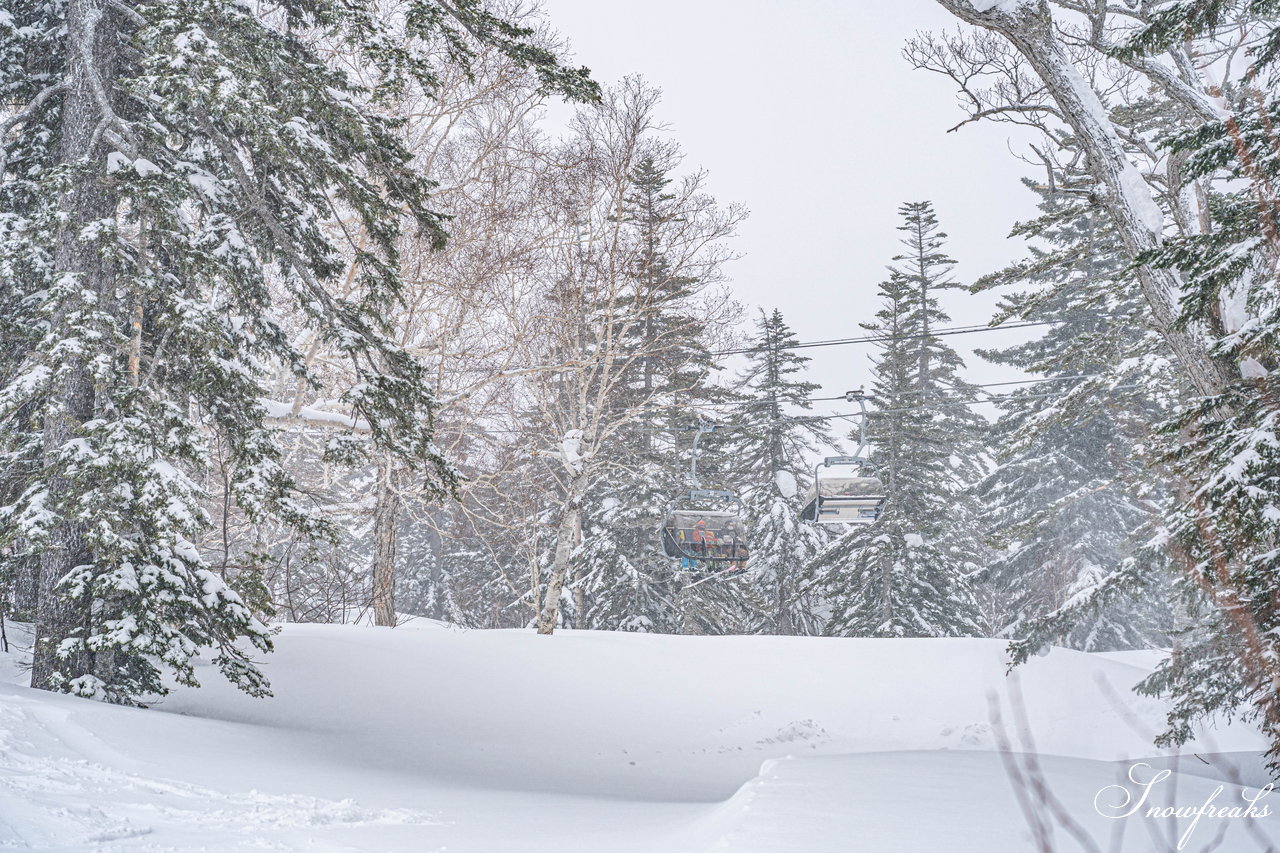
(958, 802)
(662, 717)
(430, 738)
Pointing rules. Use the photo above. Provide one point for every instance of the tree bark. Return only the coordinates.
(550, 611)
(92, 61)
(783, 623)
(1128, 200)
(689, 625)
(24, 588)
(386, 509)
(566, 537)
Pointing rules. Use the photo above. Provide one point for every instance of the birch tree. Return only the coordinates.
(1130, 204)
(599, 304)
(473, 133)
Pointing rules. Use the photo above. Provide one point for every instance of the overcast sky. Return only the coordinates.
(806, 112)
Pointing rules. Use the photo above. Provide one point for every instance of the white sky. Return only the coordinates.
(806, 112)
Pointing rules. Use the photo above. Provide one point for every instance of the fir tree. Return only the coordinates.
(772, 448)
(908, 575)
(627, 582)
(1072, 490)
(162, 212)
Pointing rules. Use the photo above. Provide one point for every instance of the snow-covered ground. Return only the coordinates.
(426, 738)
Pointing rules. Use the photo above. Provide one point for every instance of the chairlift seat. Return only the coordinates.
(845, 500)
(722, 539)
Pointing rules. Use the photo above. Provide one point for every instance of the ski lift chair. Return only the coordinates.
(843, 499)
(705, 526)
(700, 534)
(852, 498)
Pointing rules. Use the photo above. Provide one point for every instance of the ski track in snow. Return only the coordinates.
(59, 795)
(424, 739)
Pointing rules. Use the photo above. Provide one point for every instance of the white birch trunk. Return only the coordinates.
(566, 537)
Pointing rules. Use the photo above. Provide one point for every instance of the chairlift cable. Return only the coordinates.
(747, 403)
(835, 342)
(944, 404)
(937, 333)
(989, 399)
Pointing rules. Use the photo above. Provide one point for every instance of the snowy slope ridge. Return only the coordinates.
(695, 716)
(425, 738)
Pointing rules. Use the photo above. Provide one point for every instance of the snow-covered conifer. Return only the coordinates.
(1199, 227)
(908, 575)
(771, 451)
(1224, 448)
(178, 182)
(1072, 489)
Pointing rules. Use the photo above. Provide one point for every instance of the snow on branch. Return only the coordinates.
(286, 413)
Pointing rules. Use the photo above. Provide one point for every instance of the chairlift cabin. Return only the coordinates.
(852, 498)
(703, 535)
(704, 526)
(843, 499)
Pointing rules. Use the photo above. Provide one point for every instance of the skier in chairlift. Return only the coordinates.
(704, 527)
(686, 564)
(704, 536)
(702, 539)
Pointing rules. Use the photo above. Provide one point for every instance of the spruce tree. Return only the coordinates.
(909, 574)
(1072, 491)
(626, 580)
(166, 179)
(772, 448)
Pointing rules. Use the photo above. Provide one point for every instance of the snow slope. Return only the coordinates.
(430, 738)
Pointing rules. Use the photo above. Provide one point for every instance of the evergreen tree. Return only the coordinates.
(908, 575)
(1224, 447)
(1072, 490)
(165, 180)
(627, 582)
(772, 448)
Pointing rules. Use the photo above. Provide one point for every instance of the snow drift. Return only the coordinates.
(427, 737)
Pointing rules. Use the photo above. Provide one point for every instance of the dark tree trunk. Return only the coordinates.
(23, 588)
(783, 624)
(91, 51)
(385, 513)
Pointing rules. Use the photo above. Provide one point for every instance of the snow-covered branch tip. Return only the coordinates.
(279, 412)
(23, 114)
